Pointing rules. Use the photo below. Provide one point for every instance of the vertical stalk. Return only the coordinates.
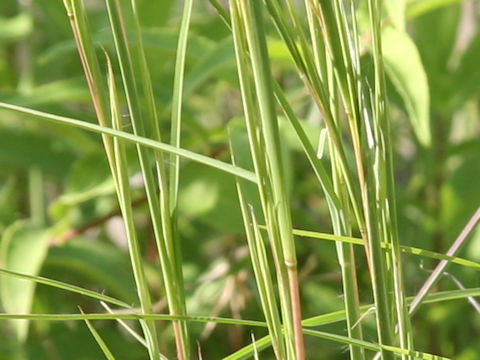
(261, 269)
(341, 226)
(159, 208)
(164, 217)
(115, 155)
(257, 148)
(176, 121)
(120, 173)
(339, 213)
(251, 12)
(387, 198)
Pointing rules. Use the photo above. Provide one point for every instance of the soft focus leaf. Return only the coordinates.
(23, 249)
(14, 28)
(154, 13)
(99, 262)
(460, 196)
(419, 7)
(208, 197)
(434, 33)
(396, 11)
(467, 75)
(218, 57)
(404, 68)
(90, 177)
(21, 149)
(55, 92)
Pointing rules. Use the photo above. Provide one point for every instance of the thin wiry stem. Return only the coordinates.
(442, 265)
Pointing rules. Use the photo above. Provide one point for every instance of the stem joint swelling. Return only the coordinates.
(291, 264)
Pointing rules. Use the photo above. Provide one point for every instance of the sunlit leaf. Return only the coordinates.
(404, 68)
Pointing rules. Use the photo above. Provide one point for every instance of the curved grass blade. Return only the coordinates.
(176, 119)
(134, 69)
(64, 286)
(121, 177)
(134, 139)
(406, 249)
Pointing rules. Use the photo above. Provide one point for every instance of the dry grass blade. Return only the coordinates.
(442, 265)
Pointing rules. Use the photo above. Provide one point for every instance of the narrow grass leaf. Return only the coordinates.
(101, 343)
(120, 174)
(134, 139)
(177, 97)
(406, 249)
(64, 286)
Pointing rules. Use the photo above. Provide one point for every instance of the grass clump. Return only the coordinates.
(200, 108)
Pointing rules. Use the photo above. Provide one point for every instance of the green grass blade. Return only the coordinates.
(132, 332)
(82, 34)
(387, 197)
(261, 270)
(257, 148)
(406, 249)
(391, 350)
(248, 350)
(336, 316)
(310, 322)
(64, 286)
(176, 120)
(134, 139)
(120, 173)
(106, 351)
(161, 212)
(252, 15)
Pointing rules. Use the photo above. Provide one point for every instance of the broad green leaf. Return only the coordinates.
(435, 34)
(473, 248)
(218, 57)
(23, 248)
(278, 51)
(154, 13)
(404, 68)
(89, 178)
(21, 149)
(396, 10)
(9, 205)
(15, 28)
(419, 7)
(208, 196)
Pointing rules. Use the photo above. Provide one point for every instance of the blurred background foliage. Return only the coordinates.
(59, 214)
